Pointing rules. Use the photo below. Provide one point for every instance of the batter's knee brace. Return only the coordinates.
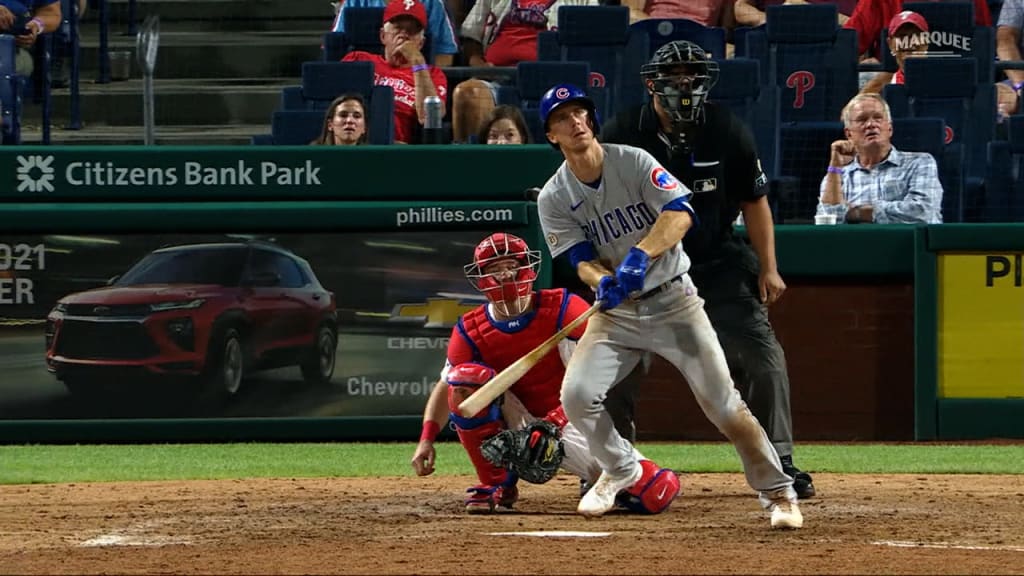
(655, 491)
(463, 380)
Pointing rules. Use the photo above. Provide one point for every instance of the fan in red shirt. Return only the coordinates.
(403, 66)
(871, 16)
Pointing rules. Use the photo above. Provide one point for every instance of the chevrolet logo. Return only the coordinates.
(434, 313)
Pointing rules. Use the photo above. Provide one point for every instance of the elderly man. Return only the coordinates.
(869, 180)
(404, 68)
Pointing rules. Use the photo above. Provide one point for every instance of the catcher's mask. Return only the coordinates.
(504, 269)
(680, 75)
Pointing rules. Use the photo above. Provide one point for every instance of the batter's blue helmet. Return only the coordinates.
(562, 93)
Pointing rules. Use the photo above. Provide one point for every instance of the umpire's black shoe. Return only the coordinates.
(802, 482)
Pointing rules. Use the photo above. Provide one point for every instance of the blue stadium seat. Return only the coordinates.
(804, 156)
(739, 88)
(811, 60)
(296, 127)
(291, 99)
(661, 31)
(946, 88)
(335, 45)
(927, 135)
(601, 36)
(1004, 178)
(10, 93)
(533, 79)
(325, 81)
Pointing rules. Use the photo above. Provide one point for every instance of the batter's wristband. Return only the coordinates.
(430, 431)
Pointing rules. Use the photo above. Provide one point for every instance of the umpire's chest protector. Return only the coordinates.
(502, 343)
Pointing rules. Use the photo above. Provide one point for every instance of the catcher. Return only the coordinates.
(524, 434)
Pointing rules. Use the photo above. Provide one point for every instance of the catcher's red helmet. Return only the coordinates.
(507, 286)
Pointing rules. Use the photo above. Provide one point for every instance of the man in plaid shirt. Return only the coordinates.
(869, 180)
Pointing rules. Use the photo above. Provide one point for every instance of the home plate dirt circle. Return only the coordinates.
(911, 524)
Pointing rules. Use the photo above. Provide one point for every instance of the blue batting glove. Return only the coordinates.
(632, 270)
(610, 293)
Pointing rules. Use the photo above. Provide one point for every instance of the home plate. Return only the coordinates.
(555, 534)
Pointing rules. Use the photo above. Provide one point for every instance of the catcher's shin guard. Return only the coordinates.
(497, 484)
(655, 491)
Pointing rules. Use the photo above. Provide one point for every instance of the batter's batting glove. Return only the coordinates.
(610, 293)
(632, 270)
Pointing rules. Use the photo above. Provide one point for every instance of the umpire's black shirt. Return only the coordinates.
(721, 168)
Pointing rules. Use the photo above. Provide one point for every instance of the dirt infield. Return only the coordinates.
(859, 524)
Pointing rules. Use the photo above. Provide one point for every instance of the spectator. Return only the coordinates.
(344, 122)
(438, 26)
(403, 67)
(908, 37)
(1008, 46)
(26, 23)
(871, 16)
(869, 180)
(498, 33)
(506, 125)
(752, 12)
(707, 12)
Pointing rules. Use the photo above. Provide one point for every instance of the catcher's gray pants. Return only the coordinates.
(673, 325)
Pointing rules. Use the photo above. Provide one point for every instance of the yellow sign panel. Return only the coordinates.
(981, 325)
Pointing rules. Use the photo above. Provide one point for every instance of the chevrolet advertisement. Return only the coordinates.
(233, 325)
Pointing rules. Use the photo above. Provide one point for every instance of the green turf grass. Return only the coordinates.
(100, 463)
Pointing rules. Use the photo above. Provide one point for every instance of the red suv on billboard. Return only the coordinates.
(212, 311)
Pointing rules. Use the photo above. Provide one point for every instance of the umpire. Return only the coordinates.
(712, 151)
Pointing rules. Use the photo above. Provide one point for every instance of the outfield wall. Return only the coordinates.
(891, 333)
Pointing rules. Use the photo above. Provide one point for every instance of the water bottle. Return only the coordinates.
(433, 133)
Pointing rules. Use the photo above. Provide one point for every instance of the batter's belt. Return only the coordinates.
(659, 288)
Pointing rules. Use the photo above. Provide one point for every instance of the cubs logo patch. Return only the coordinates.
(562, 93)
(663, 180)
(552, 240)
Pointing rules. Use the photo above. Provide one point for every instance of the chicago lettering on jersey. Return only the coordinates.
(617, 222)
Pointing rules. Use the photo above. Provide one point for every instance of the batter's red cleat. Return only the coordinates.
(485, 499)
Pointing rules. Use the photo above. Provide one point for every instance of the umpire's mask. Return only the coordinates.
(680, 75)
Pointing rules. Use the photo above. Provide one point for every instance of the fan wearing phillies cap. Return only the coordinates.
(871, 16)
(907, 38)
(439, 26)
(403, 67)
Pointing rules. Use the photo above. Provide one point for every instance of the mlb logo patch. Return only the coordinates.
(706, 185)
(663, 180)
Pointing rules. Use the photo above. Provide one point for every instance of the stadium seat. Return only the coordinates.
(661, 31)
(600, 35)
(325, 81)
(1004, 178)
(926, 135)
(533, 79)
(946, 88)
(296, 127)
(808, 57)
(804, 156)
(10, 93)
(739, 88)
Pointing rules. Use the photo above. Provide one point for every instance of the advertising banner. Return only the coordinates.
(227, 325)
(981, 325)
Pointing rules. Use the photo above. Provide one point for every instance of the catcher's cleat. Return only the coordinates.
(786, 515)
(802, 482)
(601, 496)
(485, 499)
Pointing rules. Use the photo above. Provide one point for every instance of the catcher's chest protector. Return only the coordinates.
(539, 388)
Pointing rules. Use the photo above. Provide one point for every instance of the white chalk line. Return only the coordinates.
(554, 534)
(945, 545)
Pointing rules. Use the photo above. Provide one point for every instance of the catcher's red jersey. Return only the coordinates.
(479, 337)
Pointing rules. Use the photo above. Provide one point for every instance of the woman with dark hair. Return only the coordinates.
(344, 122)
(505, 125)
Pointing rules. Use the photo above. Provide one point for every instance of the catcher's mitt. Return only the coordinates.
(533, 453)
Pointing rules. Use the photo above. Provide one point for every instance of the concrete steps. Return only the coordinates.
(190, 135)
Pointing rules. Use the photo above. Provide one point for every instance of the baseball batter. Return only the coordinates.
(620, 217)
(491, 337)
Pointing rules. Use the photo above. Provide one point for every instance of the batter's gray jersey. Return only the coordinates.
(618, 214)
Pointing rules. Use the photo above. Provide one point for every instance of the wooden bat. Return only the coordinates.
(507, 377)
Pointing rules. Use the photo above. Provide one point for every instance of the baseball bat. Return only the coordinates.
(507, 377)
